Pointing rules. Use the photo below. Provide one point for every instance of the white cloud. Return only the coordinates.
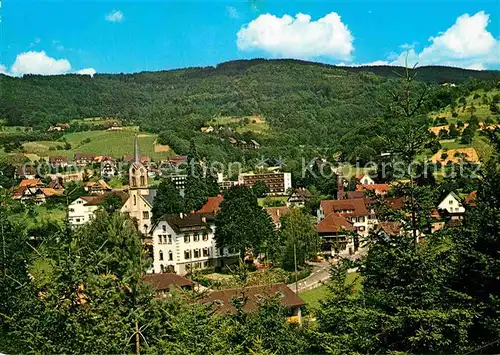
(87, 71)
(298, 37)
(40, 63)
(115, 16)
(232, 12)
(466, 44)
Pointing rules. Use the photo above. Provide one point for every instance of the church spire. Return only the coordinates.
(137, 157)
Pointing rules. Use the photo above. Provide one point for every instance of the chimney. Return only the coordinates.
(181, 215)
(340, 186)
(204, 219)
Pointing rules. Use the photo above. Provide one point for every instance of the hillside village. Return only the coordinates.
(305, 229)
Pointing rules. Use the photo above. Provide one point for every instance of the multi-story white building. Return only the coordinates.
(186, 241)
(277, 183)
(82, 210)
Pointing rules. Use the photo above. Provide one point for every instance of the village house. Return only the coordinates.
(254, 296)
(378, 189)
(109, 168)
(452, 208)
(365, 179)
(58, 161)
(353, 210)
(182, 242)
(162, 283)
(25, 171)
(212, 206)
(96, 187)
(276, 213)
(277, 183)
(140, 202)
(34, 191)
(84, 159)
(334, 232)
(82, 210)
(299, 197)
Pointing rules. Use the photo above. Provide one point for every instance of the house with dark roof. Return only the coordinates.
(96, 187)
(334, 231)
(253, 297)
(298, 197)
(58, 161)
(354, 210)
(185, 241)
(84, 159)
(162, 283)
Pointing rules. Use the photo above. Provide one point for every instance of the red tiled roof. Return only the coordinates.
(471, 198)
(380, 189)
(396, 203)
(356, 206)
(162, 282)
(212, 205)
(391, 228)
(334, 223)
(254, 296)
(30, 182)
(277, 212)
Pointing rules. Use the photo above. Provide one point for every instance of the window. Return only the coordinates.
(451, 202)
(77, 220)
(162, 269)
(205, 237)
(72, 210)
(134, 183)
(160, 239)
(186, 238)
(143, 181)
(135, 200)
(196, 238)
(170, 256)
(164, 227)
(187, 254)
(145, 215)
(206, 252)
(161, 255)
(197, 253)
(169, 239)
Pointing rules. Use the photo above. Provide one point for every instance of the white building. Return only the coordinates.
(277, 183)
(82, 210)
(185, 241)
(452, 204)
(365, 179)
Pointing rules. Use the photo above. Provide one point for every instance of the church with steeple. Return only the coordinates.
(140, 202)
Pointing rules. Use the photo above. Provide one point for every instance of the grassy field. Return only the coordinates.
(41, 214)
(482, 110)
(254, 124)
(114, 143)
(312, 297)
(272, 200)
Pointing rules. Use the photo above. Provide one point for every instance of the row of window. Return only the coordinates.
(165, 239)
(196, 238)
(170, 255)
(197, 253)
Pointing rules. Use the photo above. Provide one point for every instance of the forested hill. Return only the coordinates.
(302, 103)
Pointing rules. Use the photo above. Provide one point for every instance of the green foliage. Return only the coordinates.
(297, 230)
(259, 189)
(240, 208)
(167, 200)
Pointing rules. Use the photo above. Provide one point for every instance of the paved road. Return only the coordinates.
(320, 274)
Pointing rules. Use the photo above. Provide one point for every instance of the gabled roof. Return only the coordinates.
(301, 192)
(58, 158)
(131, 158)
(334, 223)
(357, 206)
(30, 182)
(50, 192)
(452, 194)
(97, 200)
(379, 189)
(277, 212)
(186, 222)
(212, 205)
(254, 296)
(162, 282)
(391, 228)
(84, 156)
(100, 184)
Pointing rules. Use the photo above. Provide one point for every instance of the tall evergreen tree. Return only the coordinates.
(167, 200)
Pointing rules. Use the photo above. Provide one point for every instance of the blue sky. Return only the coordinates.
(52, 37)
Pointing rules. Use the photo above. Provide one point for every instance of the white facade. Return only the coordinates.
(452, 204)
(366, 180)
(181, 251)
(79, 212)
